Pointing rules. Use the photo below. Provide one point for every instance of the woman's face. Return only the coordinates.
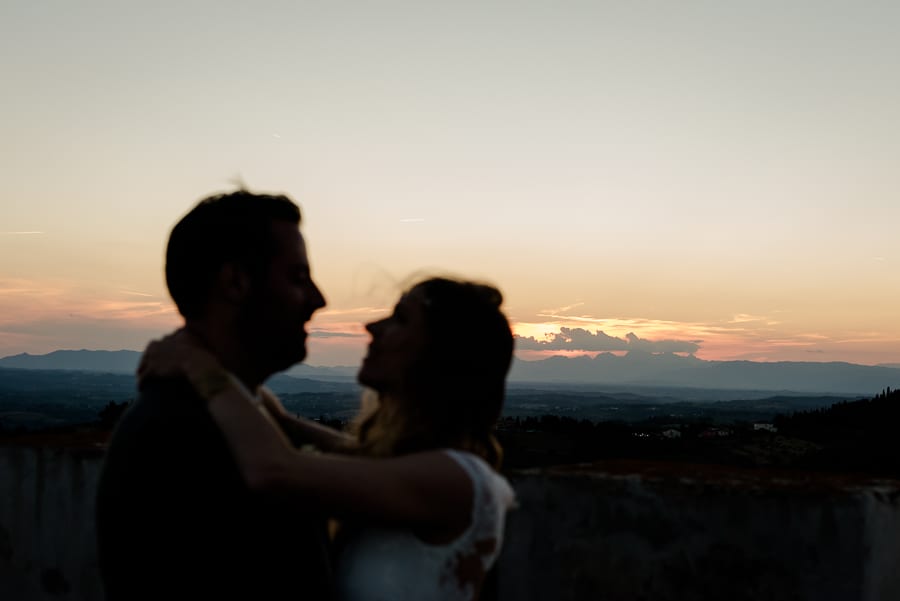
(398, 342)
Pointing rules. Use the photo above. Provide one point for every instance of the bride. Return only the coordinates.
(416, 490)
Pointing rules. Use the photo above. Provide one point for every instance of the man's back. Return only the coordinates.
(175, 519)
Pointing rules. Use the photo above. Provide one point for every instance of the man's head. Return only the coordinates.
(236, 265)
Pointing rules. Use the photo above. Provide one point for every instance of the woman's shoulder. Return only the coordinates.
(485, 479)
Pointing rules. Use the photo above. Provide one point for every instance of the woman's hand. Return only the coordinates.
(182, 354)
(272, 404)
(302, 431)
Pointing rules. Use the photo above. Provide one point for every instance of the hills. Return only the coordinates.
(35, 399)
(113, 362)
(126, 362)
(607, 369)
(671, 370)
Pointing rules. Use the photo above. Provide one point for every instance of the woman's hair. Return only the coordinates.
(458, 382)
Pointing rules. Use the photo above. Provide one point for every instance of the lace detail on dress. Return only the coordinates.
(384, 564)
(476, 549)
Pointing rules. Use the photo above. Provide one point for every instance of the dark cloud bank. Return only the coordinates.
(579, 339)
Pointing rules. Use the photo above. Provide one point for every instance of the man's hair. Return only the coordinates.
(223, 228)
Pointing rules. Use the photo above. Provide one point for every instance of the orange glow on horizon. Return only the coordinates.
(43, 316)
(728, 340)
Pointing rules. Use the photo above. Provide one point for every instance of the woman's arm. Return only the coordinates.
(417, 490)
(306, 431)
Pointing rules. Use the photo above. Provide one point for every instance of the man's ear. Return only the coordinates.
(234, 282)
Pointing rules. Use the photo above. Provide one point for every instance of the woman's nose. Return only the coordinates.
(375, 327)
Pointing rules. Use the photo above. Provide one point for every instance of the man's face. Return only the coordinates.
(273, 320)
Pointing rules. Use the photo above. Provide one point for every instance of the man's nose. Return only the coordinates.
(317, 298)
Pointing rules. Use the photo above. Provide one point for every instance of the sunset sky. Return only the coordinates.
(720, 178)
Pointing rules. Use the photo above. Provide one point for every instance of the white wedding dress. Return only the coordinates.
(381, 564)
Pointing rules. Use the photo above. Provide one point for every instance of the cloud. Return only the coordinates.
(579, 339)
(333, 334)
(365, 311)
(26, 304)
(747, 318)
(568, 339)
(661, 346)
(560, 311)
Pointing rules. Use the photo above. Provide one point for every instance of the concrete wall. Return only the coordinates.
(674, 534)
(47, 547)
(610, 532)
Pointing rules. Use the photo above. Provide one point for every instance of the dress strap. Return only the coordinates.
(489, 486)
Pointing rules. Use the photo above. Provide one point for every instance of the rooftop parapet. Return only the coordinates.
(610, 530)
(633, 530)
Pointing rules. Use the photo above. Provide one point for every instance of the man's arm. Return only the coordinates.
(420, 490)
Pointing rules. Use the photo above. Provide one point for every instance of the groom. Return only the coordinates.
(174, 519)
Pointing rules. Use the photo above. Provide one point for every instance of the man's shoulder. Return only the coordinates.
(166, 398)
(165, 409)
(158, 390)
(166, 434)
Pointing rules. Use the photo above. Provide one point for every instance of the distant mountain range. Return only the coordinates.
(634, 368)
(126, 362)
(670, 370)
(114, 362)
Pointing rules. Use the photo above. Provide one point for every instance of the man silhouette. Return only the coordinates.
(174, 518)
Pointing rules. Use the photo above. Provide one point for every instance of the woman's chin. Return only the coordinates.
(362, 376)
(368, 379)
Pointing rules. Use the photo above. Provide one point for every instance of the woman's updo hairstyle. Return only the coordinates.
(458, 383)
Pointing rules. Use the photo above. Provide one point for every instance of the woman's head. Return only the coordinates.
(439, 365)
